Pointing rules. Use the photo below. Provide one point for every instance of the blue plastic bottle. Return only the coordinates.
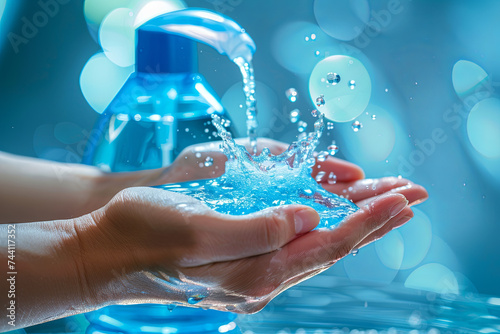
(162, 108)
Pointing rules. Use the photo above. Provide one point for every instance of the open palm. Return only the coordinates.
(179, 248)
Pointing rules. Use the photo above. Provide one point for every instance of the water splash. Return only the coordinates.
(254, 182)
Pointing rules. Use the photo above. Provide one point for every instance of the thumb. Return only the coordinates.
(230, 237)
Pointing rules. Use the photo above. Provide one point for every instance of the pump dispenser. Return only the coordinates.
(164, 106)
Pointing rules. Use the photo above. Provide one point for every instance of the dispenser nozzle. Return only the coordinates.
(207, 27)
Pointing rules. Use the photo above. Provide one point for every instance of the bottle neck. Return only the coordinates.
(161, 53)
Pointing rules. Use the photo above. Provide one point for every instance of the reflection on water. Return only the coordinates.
(328, 304)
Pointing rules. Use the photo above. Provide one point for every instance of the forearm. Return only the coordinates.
(57, 269)
(37, 190)
(44, 277)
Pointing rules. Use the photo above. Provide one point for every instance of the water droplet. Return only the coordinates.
(207, 130)
(313, 37)
(333, 78)
(302, 136)
(355, 252)
(302, 126)
(197, 154)
(317, 53)
(356, 126)
(387, 90)
(310, 162)
(320, 101)
(352, 84)
(209, 161)
(227, 123)
(332, 149)
(137, 117)
(171, 307)
(294, 115)
(307, 38)
(195, 299)
(332, 178)
(291, 94)
(320, 175)
(314, 113)
(230, 307)
(374, 117)
(329, 126)
(322, 156)
(186, 129)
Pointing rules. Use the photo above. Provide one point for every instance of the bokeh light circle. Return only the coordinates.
(390, 249)
(2, 7)
(101, 80)
(375, 141)
(466, 76)
(96, 10)
(342, 19)
(367, 266)
(146, 9)
(117, 36)
(483, 127)
(298, 46)
(417, 238)
(433, 277)
(343, 100)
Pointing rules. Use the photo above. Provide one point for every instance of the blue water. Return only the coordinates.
(255, 182)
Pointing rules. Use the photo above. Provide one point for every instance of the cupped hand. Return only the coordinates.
(190, 163)
(171, 248)
(153, 246)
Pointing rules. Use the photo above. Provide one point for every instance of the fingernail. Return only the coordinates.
(399, 206)
(305, 220)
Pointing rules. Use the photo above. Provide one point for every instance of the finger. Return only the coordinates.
(414, 193)
(322, 247)
(262, 276)
(369, 188)
(226, 237)
(343, 170)
(402, 218)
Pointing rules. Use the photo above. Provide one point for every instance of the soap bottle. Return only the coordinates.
(163, 107)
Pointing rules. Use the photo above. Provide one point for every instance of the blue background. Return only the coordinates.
(412, 56)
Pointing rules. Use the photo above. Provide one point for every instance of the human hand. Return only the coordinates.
(189, 165)
(155, 246)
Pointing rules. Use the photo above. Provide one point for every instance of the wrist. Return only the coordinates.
(106, 185)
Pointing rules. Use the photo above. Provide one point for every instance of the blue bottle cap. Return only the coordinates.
(161, 52)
